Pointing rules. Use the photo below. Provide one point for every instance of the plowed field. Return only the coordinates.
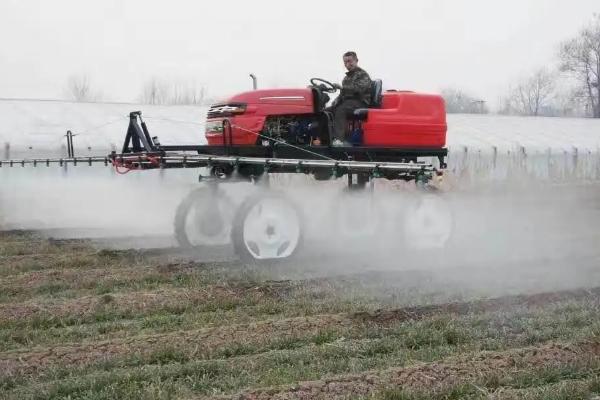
(79, 321)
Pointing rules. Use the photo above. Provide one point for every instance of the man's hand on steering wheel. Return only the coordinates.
(324, 85)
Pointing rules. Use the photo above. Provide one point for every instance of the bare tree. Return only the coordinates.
(79, 88)
(531, 95)
(157, 91)
(580, 56)
(568, 100)
(186, 93)
(458, 101)
(154, 91)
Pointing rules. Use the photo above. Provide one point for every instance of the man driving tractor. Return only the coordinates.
(355, 92)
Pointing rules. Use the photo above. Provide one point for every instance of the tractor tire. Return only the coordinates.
(267, 227)
(427, 221)
(204, 218)
(357, 216)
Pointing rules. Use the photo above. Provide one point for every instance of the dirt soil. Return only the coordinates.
(81, 322)
(432, 375)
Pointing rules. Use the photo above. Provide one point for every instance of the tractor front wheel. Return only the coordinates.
(267, 226)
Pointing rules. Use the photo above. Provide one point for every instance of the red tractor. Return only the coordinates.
(290, 131)
(257, 134)
(294, 124)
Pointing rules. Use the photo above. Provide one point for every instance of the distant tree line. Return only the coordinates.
(154, 91)
(531, 95)
(458, 101)
(160, 91)
(571, 89)
(79, 88)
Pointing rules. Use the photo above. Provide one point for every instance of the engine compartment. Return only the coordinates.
(293, 129)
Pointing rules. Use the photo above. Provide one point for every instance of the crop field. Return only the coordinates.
(79, 321)
(191, 215)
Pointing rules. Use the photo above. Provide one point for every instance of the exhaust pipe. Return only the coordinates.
(254, 84)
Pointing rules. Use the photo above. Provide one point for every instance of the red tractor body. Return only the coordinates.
(253, 108)
(406, 120)
(398, 119)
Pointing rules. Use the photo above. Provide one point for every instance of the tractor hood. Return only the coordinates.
(293, 97)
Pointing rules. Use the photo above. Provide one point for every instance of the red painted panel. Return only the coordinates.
(276, 101)
(407, 119)
(259, 104)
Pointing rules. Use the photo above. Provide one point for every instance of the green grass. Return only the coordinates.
(569, 382)
(233, 302)
(365, 347)
(171, 370)
(525, 326)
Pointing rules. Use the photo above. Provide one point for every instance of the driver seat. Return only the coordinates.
(376, 97)
(360, 114)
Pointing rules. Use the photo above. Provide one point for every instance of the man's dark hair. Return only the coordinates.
(350, 54)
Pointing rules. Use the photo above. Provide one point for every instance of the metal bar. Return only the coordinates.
(69, 148)
(49, 161)
(289, 162)
(150, 160)
(252, 150)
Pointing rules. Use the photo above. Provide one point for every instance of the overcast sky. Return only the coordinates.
(425, 45)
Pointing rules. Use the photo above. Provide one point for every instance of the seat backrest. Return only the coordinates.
(376, 88)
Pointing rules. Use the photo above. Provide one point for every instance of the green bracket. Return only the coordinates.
(422, 178)
(336, 172)
(376, 172)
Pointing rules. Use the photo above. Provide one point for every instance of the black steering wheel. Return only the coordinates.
(324, 85)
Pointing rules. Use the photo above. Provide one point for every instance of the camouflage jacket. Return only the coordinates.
(357, 85)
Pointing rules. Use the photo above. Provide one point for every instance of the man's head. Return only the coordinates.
(350, 60)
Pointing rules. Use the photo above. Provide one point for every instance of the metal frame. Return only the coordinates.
(140, 152)
(138, 140)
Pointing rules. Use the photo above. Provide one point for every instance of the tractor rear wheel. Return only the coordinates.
(357, 215)
(427, 221)
(204, 218)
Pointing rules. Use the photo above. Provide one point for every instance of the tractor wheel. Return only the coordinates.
(204, 217)
(357, 215)
(267, 227)
(427, 221)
